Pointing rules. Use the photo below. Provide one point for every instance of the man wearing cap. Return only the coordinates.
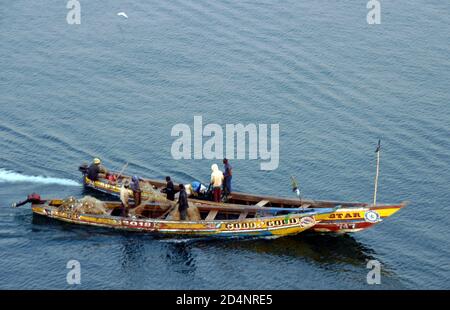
(94, 170)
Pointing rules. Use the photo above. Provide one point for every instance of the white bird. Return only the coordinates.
(122, 14)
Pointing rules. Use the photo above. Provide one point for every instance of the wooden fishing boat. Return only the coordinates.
(214, 221)
(348, 217)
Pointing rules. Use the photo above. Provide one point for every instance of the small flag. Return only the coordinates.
(295, 188)
(294, 184)
(379, 146)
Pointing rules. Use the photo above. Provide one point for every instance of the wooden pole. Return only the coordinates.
(377, 173)
(122, 171)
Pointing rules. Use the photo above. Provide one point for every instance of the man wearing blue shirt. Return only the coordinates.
(228, 174)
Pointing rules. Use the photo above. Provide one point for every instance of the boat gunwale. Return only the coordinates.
(256, 198)
(120, 218)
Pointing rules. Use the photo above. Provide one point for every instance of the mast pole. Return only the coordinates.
(377, 173)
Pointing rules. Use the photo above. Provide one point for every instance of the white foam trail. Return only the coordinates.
(14, 177)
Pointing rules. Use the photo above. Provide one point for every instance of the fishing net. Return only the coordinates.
(91, 205)
(192, 214)
(85, 205)
(151, 194)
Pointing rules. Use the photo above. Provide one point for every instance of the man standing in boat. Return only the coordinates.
(182, 203)
(136, 188)
(124, 196)
(216, 182)
(170, 189)
(227, 173)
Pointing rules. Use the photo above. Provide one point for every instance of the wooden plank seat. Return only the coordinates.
(262, 203)
(212, 215)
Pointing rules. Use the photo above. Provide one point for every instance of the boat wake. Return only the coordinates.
(14, 177)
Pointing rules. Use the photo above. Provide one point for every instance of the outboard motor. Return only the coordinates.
(31, 198)
(34, 198)
(83, 168)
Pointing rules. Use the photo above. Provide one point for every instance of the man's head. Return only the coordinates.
(167, 179)
(225, 161)
(97, 161)
(181, 186)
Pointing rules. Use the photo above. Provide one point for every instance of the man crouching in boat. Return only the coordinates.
(182, 203)
(96, 170)
(196, 189)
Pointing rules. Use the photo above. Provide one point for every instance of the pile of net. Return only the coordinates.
(152, 195)
(192, 214)
(85, 205)
(171, 211)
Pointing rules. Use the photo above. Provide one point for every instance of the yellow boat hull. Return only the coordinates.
(276, 226)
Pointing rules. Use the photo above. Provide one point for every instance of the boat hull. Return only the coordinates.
(278, 226)
(348, 218)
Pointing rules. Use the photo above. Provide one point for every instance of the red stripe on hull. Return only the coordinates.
(341, 227)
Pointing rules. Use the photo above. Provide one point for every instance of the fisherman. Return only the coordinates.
(228, 174)
(196, 189)
(136, 188)
(216, 182)
(96, 170)
(32, 198)
(169, 189)
(124, 196)
(182, 203)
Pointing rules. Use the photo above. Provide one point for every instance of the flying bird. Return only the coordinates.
(122, 14)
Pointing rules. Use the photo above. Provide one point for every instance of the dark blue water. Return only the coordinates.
(114, 88)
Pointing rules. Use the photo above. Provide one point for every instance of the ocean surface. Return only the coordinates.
(114, 88)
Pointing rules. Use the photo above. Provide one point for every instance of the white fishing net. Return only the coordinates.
(152, 199)
(149, 193)
(152, 195)
(85, 205)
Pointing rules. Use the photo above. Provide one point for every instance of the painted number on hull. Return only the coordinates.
(138, 224)
(347, 226)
